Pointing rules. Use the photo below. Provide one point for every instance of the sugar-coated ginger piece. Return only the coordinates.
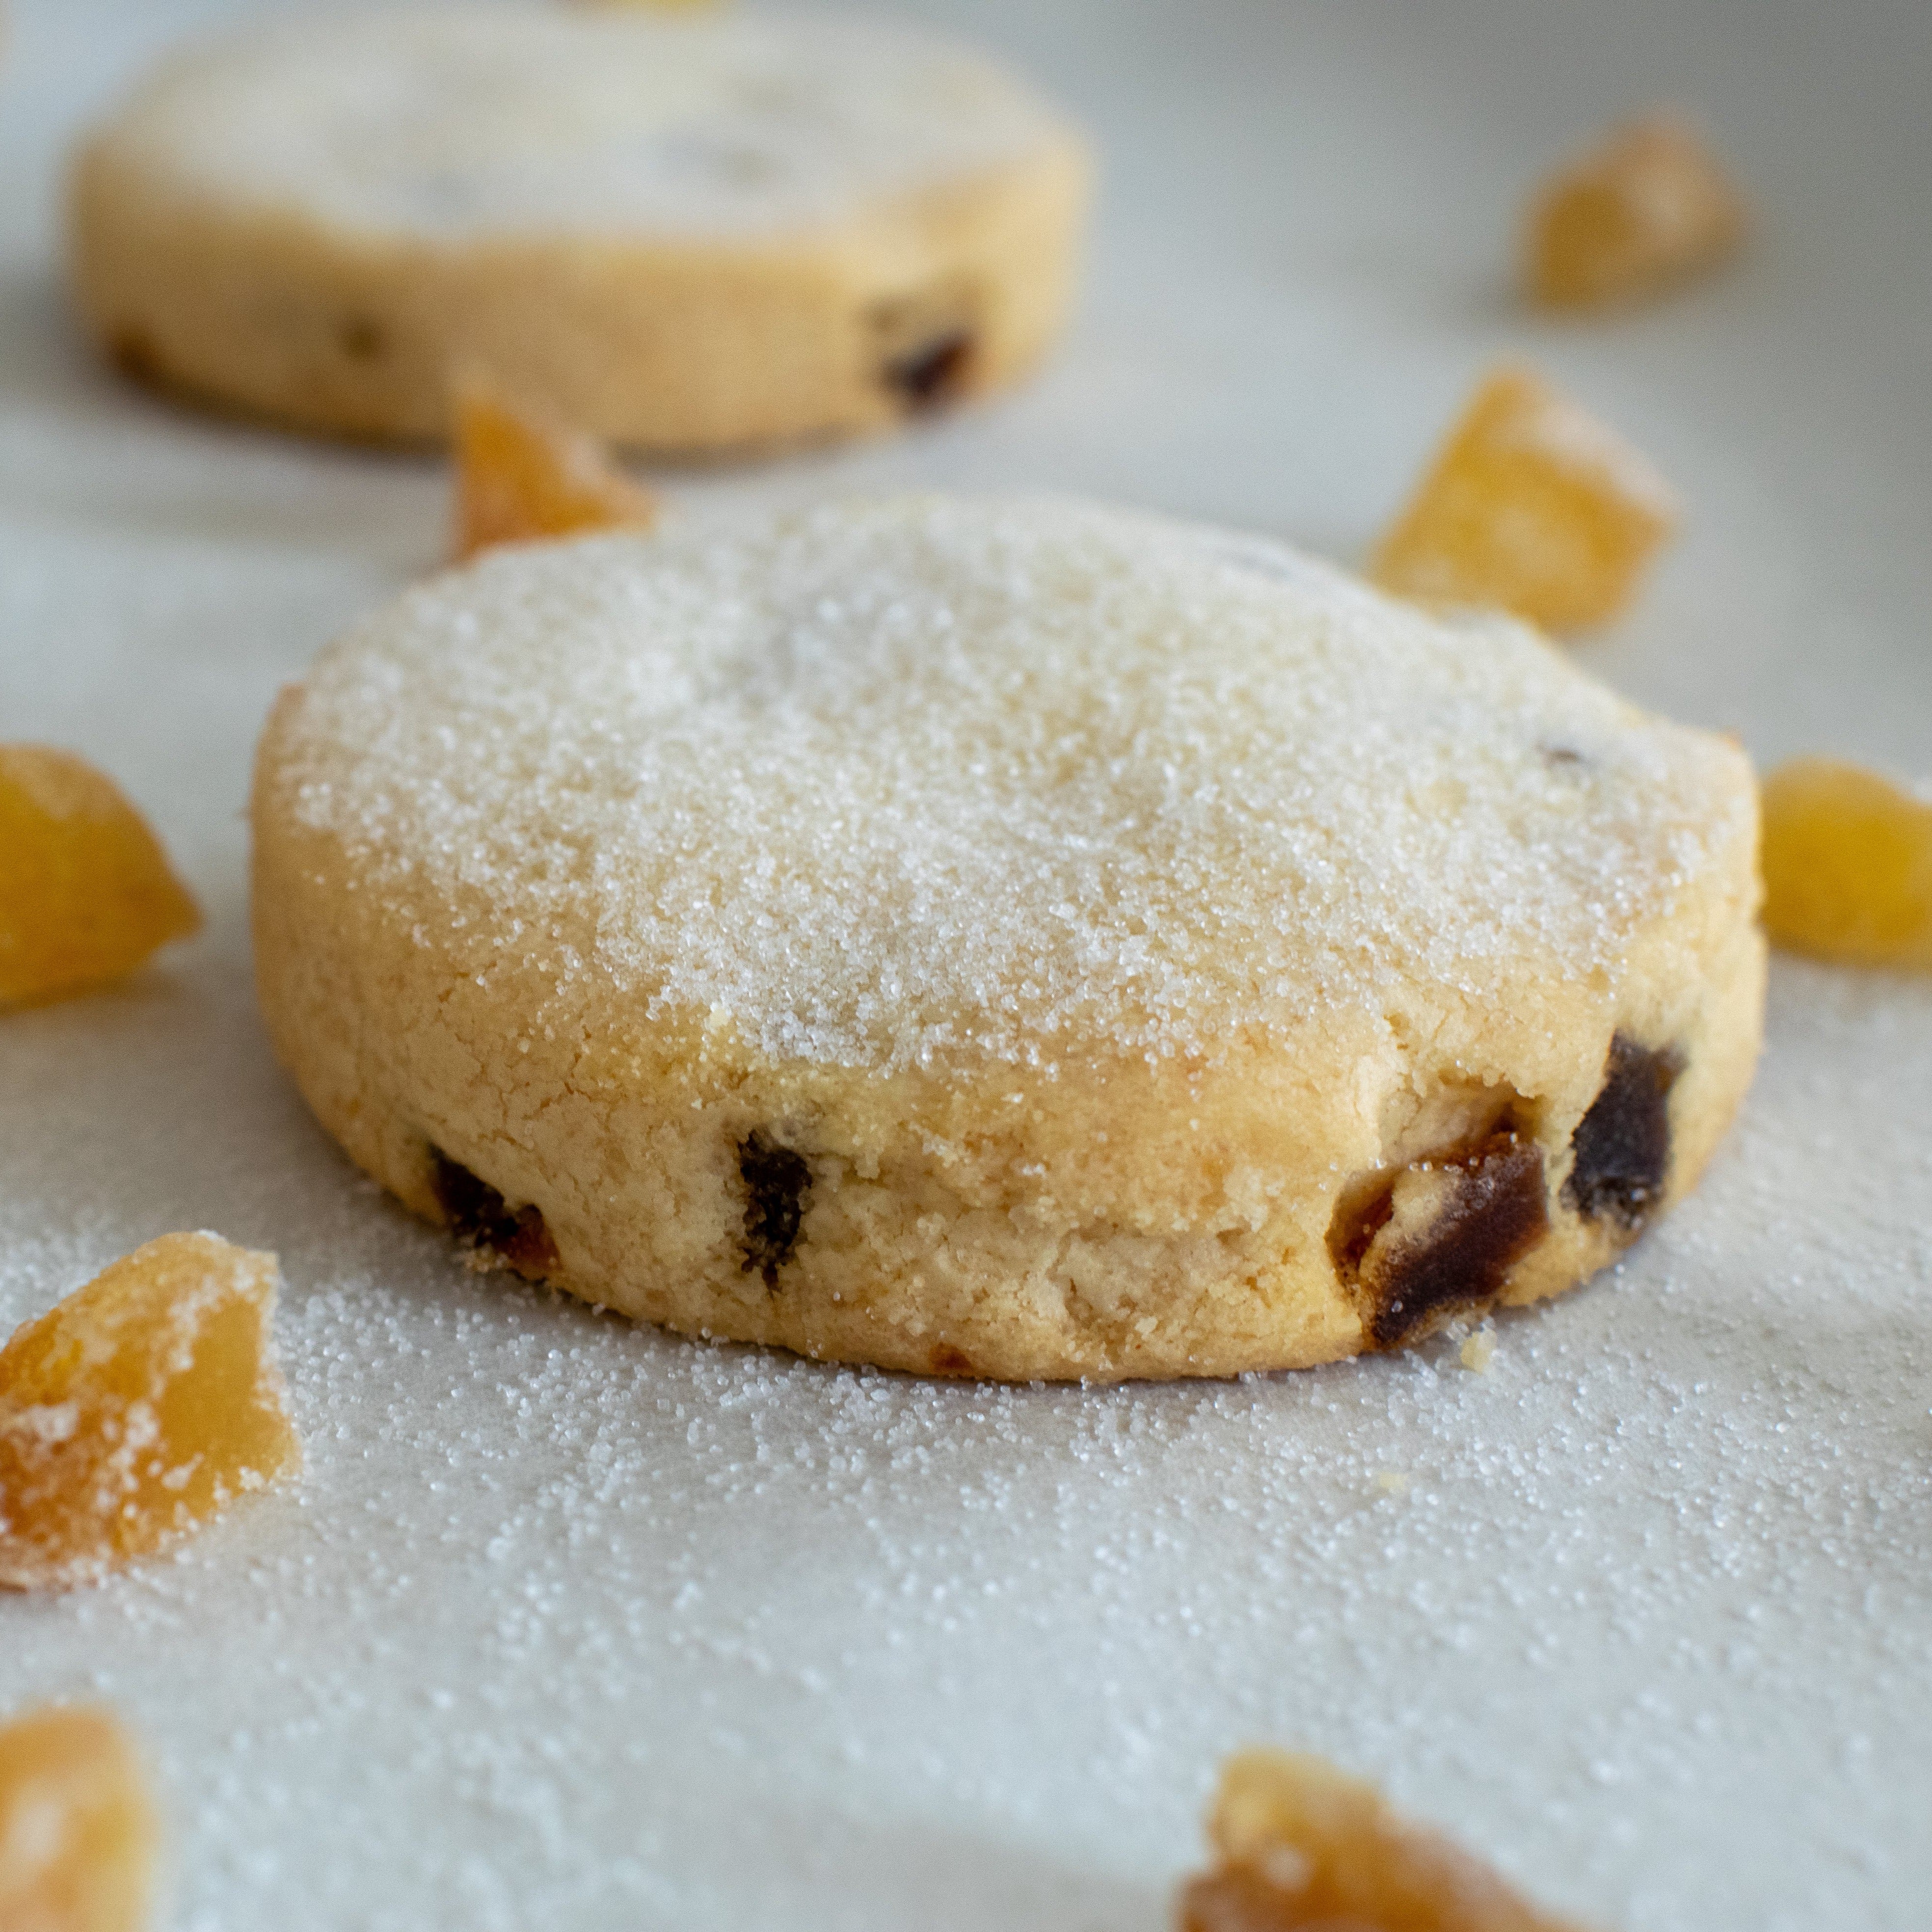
(1649, 206)
(139, 1407)
(1532, 506)
(86, 893)
(78, 1833)
(522, 473)
(1847, 866)
(1302, 1844)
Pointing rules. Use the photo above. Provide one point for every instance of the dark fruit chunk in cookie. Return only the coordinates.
(1442, 1235)
(477, 1213)
(1487, 1214)
(776, 1182)
(1622, 1144)
(932, 373)
(361, 338)
(131, 350)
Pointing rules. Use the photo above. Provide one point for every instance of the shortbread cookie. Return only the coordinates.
(1023, 939)
(683, 232)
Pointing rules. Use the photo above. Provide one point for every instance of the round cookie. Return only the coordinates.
(1021, 938)
(683, 232)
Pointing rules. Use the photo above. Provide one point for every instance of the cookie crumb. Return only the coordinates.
(1392, 1482)
(1532, 506)
(138, 1408)
(1647, 208)
(1479, 1351)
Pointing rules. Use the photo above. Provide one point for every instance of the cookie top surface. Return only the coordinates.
(900, 783)
(485, 123)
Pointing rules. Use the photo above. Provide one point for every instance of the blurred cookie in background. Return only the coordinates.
(687, 232)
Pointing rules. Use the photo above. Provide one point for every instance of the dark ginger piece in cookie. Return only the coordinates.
(1622, 1144)
(1442, 1235)
(927, 344)
(476, 1214)
(777, 1180)
(932, 374)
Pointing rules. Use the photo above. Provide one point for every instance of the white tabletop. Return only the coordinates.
(573, 1625)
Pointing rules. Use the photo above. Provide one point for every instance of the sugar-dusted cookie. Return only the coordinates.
(1014, 938)
(682, 231)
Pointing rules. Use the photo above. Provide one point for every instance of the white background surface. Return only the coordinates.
(570, 1625)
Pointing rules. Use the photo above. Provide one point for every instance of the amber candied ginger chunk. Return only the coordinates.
(1301, 1844)
(137, 1408)
(1532, 506)
(78, 1835)
(521, 473)
(1847, 864)
(85, 890)
(1649, 207)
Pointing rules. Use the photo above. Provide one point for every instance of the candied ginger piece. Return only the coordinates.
(137, 1408)
(78, 1833)
(85, 890)
(1847, 866)
(521, 473)
(1302, 1844)
(1648, 206)
(1532, 507)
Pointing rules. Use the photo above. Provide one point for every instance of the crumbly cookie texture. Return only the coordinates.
(1018, 938)
(684, 231)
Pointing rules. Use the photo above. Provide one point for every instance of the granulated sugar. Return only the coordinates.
(886, 783)
(564, 1611)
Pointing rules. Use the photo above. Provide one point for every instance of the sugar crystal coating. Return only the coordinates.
(139, 1407)
(78, 1833)
(521, 473)
(908, 783)
(1532, 507)
(1302, 1844)
(86, 893)
(1847, 864)
(1647, 207)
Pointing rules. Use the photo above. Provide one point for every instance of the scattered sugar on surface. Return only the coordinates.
(563, 1610)
(487, 121)
(884, 784)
